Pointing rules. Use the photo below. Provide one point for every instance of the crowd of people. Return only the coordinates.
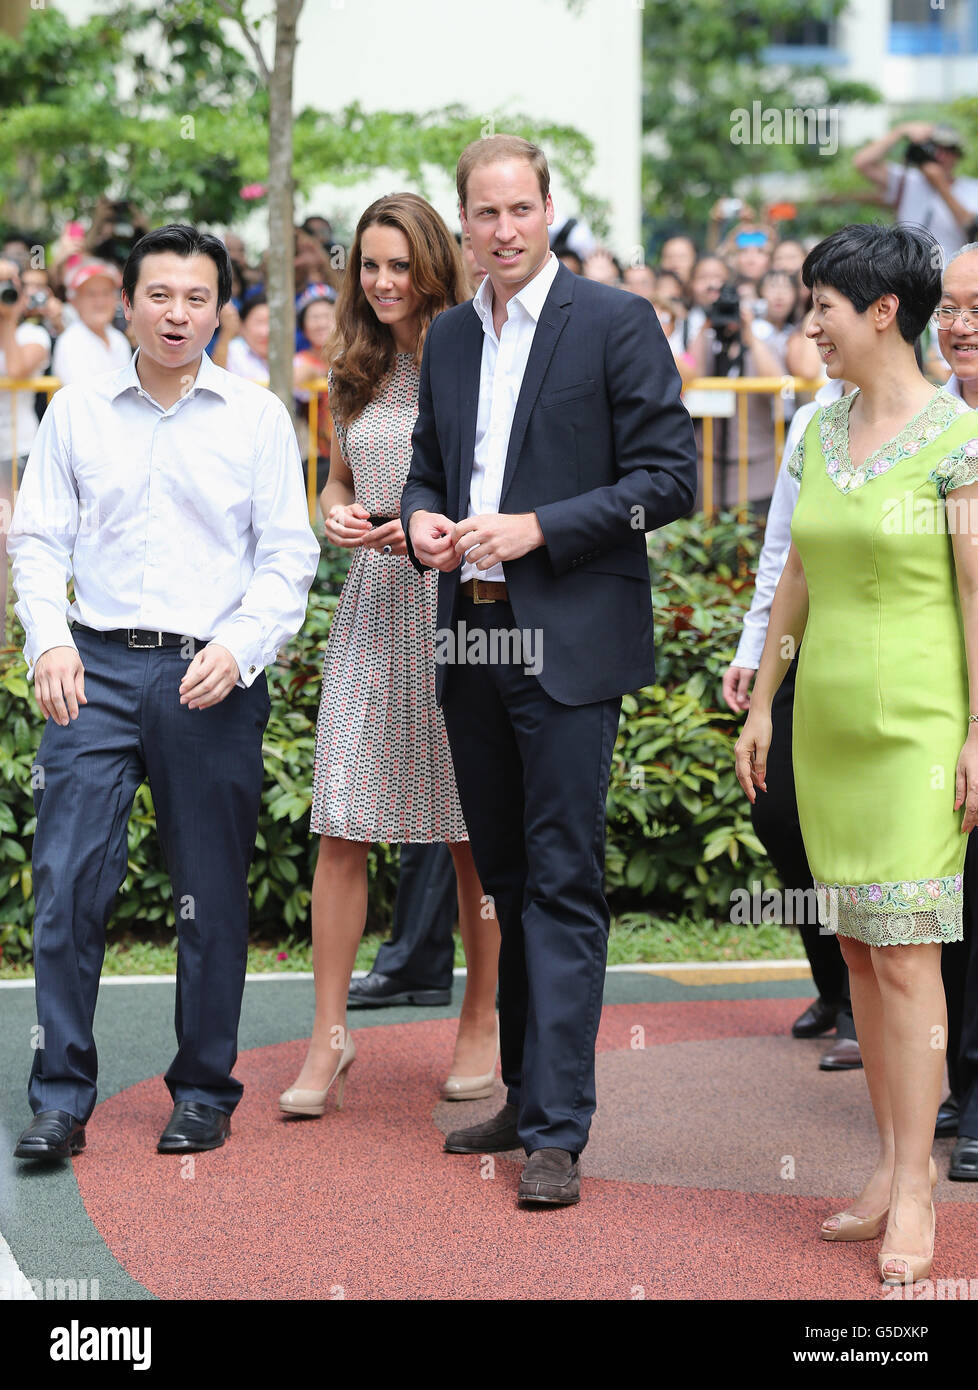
(461, 384)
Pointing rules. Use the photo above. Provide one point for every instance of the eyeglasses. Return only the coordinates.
(947, 316)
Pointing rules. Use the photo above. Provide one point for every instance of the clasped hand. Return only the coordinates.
(350, 527)
(484, 541)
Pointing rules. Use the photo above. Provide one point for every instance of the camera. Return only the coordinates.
(924, 153)
(723, 315)
(36, 301)
(9, 293)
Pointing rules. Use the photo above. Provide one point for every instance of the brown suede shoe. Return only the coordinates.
(552, 1177)
(494, 1136)
(843, 1055)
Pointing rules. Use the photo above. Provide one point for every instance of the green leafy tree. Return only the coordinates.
(703, 61)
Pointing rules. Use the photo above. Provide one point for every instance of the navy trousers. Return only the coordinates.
(532, 779)
(204, 769)
(421, 952)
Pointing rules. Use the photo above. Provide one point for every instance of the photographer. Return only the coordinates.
(25, 349)
(727, 345)
(923, 190)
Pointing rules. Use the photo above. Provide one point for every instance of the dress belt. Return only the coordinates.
(139, 638)
(485, 591)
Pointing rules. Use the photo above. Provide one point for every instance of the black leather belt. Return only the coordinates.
(145, 639)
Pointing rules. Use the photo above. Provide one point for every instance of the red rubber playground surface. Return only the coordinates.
(717, 1149)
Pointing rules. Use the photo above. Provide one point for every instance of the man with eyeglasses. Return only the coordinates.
(956, 319)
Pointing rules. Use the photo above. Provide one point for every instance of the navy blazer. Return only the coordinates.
(602, 449)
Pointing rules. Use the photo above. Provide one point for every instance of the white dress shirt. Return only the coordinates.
(503, 364)
(80, 353)
(190, 520)
(777, 536)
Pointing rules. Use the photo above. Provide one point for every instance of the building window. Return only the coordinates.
(918, 30)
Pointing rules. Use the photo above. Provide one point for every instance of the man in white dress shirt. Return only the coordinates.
(172, 494)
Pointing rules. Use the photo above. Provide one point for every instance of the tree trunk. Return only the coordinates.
(280, 288)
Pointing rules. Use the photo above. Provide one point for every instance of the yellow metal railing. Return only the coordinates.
(34, 384)
(741, 387)
(774, 386)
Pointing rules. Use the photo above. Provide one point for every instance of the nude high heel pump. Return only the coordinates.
(864, 1227)
(472, 1087)
(302, 1102)
(914, 1266)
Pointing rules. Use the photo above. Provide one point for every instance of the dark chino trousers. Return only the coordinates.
(204, 769)
(959, 967)
(421, 950)
(532, 778)
(774, 816)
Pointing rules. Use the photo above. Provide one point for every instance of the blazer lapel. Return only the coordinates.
(548, 330)
(469, 376)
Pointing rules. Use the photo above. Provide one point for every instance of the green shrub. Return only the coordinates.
(679, 832)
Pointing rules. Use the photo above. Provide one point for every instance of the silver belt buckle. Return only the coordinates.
(142, 646)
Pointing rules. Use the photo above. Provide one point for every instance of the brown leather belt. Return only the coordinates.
(485, 591)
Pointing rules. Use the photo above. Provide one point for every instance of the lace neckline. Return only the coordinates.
(922, 429)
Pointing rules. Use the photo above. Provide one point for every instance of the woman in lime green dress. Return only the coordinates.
(882, 580)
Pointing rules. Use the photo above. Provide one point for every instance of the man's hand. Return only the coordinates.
(59, 684)
(433, 539)
(209, 678)
(736, 687)
(917, 132)
(496, 537)
(937, 176)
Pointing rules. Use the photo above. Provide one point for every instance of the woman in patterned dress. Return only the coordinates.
(882, 579)
(383, 769)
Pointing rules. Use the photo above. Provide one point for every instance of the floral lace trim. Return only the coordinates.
(957, 470)
(926, 426)
(912, 912)
(797, 460)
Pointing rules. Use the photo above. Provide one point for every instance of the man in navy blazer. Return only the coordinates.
(550, 437)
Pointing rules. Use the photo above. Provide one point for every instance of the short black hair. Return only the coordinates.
(252, 300)
(865, 260)
(185, 241)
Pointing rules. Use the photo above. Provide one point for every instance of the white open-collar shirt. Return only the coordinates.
(191, 519)
(503, 365)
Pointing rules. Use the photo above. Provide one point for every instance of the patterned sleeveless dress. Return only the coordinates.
(882, 699)
(383, 769)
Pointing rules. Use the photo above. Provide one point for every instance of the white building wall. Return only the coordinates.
(578, 67)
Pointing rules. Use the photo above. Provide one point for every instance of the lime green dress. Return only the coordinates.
(881, 700)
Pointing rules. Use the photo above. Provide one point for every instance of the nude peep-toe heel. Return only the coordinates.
(864, 1227)
(914, 1266)
(303, 1102)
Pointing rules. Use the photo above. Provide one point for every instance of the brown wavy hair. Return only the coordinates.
(362, 350)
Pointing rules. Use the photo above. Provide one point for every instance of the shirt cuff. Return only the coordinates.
(55, 634)
(250, 664)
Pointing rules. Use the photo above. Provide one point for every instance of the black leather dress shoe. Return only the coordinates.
(51, 1134)
(817, 1019)
(552, 1177)
(378, 991)
(964, 1160)
(947, 1117)
(194, 1127)
(843, 1055)
(495, 1136)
